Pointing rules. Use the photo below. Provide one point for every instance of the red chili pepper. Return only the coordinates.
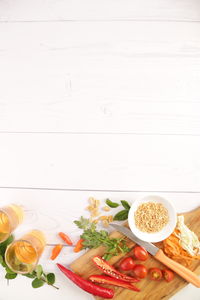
(56, 251)
(65, 238)
(87, 285)
(79, 245)
(113, 281)
(105, 267)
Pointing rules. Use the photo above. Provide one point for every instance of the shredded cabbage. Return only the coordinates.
(187, 238)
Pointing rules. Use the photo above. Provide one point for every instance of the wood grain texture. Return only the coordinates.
(40, 10)
(149, 289)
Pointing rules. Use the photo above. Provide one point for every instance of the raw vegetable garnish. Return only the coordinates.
(86, 285)
(181, 244)
(123, 214)
(188, 239)
(39, 277)
(93, 239)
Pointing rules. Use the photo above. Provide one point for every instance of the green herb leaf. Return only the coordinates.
(1, 259)
(94, 238)
(10, 276)
(8, 241)
(111, 203)
(29, 275)
(125, 204)
(5, 244)
(36, 283)
(9, 271)
(50, 278)
(121, 216)
(107, 256)
(4, 264)
(39, 271)
(83, 223)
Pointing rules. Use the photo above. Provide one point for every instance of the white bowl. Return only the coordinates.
(157, 236)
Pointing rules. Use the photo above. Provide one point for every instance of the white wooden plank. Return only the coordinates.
(110, 77)
(124, 39)
(28, 10)
(54, 211)
(124, 117)
(102, 162)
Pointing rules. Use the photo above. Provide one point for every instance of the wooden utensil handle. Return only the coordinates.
(178, 268)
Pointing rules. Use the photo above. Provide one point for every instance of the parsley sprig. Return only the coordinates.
(94, 238)
(38, 275)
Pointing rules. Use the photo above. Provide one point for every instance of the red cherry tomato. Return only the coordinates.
(127, 264)
(140, 253)
(168, 275)
(155, 274)
(140, 271)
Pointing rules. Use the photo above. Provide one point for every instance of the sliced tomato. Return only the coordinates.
(140, 253)
(108, 269)
(155, 274)
(127, 264)
(140, 271)
(168, 275)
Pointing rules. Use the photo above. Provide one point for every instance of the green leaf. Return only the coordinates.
(121, 216)
(125, 204)
(29, 275)
(111, 204)
(10, 276)
(83, 223)
(39, 271)
(50, 278)
(107, 256)
(36, 283)
(8, 241)
(5, 244)
(1, 259)
(4, 264)
(94, 238)
(9, 271)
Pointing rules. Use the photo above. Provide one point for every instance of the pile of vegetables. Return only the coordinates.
(117, 278)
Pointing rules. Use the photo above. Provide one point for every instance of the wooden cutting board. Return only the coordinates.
(149, 289)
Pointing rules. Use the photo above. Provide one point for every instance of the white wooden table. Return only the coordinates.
(97, 98)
